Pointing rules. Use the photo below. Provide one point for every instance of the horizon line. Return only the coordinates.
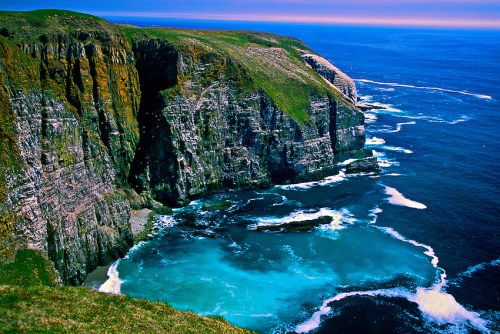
(333, 20)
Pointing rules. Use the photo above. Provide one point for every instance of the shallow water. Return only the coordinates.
(414, 250)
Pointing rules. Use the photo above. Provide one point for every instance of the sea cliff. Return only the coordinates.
(97, 118)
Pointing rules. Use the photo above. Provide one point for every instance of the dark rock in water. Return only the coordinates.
(367, 106)
(205, 234)
(298, 226)
(367, 165)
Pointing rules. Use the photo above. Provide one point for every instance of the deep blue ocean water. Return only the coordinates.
(413, 250)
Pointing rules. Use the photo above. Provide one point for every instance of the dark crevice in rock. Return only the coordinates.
(332, 129)
(154, 163)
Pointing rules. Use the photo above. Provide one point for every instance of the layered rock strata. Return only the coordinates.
(95, 114)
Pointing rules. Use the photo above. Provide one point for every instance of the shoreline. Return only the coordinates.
(96, 278)
(139, 225)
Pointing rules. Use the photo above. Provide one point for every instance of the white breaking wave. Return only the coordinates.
(396, 149)
(393, 84)
(463, 118)
(383, 161)
(346, 162)
(283, 201)
(365, 98)
(374, 214)
(435, 119)
(164, 222)
(341, 176)
(429, 250)
(383, 107)
(374, 141)
(396, 198)
(434, 304)
(113, 283)
(399, 126)
(370, 118)
(473, 269)
(339, 218)
(315, 320)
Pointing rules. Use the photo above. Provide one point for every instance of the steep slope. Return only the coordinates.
(235, 109)
(70, 98)
(91, 110)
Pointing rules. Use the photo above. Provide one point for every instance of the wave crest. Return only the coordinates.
(394, 84)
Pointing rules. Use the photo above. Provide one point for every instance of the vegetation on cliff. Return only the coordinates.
(96, 118)
(273, 62)
(32, 301)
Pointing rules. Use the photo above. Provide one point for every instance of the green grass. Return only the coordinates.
(273, 62)
(33, 24)
(29, 269)
(31, 301)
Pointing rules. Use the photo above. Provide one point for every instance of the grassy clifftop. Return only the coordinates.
(31, 301)
(26, 25)
(273, 62)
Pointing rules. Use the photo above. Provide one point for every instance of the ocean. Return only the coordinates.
(414, 249)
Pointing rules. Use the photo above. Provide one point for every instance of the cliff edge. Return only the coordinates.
(96, 116)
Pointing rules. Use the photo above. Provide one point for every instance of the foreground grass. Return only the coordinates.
(27, 304)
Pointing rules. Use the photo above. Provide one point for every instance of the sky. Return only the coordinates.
(441, 13)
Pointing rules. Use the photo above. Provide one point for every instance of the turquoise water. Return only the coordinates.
(219, 263)
(268, 281)
(415, 249)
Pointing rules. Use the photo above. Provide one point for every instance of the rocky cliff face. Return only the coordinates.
(71, 99)
(205, 128)
(87, 114)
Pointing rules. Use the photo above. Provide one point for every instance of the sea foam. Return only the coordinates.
(113, 283)
(374, 141)
(396, 198)
(399, 127)
(435, 305)
(383, 161)
(339, 177)
(393, 84)
(396, 149)
(473, 269)
(339, 218)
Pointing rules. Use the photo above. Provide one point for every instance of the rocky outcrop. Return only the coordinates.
(367, 165)
(91, 120)
(332, 74)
